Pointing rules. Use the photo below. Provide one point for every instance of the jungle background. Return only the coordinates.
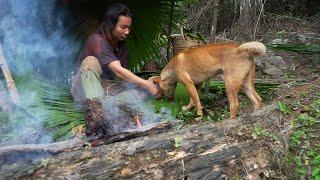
(40, 42)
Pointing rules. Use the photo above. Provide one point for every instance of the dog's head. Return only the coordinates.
(168, 84)
(156, 81)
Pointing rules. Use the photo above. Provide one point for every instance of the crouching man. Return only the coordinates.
(102, 59)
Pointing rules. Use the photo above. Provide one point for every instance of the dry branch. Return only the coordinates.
(7, 74)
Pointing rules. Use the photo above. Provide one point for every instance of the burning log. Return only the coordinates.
(110, 115)
(203, 151)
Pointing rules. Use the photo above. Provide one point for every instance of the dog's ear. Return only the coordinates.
(155, 79)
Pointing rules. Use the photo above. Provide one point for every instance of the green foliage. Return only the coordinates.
(150, 19)
(284, 108)
(304, 142)
(177, 141)
(181, 98)
(305, 49)
(260, 132)
(217, 95)
(316, 170)
(216, 111)
(51, 103)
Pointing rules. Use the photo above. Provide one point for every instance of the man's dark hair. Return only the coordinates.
(112, 15)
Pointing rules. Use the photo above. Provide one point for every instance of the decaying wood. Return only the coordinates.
(7, 74)
(78, 142)
(202, 151)
(151, 129)
(52, 148)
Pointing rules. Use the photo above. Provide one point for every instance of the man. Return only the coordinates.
(104, 56)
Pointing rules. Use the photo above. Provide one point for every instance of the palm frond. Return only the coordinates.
(49, 102)
(305, 49)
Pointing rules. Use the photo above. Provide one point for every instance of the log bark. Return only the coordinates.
(201, 151)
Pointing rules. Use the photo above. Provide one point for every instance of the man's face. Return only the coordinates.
(122, 28)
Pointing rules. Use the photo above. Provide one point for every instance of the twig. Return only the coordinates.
(200, 12)
(245, 168)
(256, 26)
(7, 74)
(170, 30)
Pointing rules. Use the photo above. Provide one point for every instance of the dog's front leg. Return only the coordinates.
(189, 106)
(191, 103)
(195, 98)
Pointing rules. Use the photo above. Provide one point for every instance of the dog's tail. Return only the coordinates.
(253, 48)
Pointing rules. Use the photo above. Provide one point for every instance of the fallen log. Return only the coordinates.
(151, 129)
(18, 153)
(202, 151)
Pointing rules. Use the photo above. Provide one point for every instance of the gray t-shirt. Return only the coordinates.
(97, 45)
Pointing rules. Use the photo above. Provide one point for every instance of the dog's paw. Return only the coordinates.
(198, 118)
(185, 108)
(200, 112)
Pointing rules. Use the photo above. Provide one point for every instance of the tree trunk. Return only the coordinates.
(215, 10)
(215, 13)
(203, 151)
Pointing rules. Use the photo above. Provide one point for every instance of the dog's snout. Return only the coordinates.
(159, 95)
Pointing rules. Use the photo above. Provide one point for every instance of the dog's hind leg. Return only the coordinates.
(233, 85)
(248, 88)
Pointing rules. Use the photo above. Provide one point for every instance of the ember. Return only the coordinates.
(111, 115)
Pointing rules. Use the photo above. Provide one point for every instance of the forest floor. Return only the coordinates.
(296, 93)
(297, 96)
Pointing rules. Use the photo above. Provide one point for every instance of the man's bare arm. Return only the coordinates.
(128, 76)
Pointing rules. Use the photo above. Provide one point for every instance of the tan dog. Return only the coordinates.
(193, 66)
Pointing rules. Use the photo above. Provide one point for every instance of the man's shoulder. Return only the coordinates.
(98, 40)
(96, 36)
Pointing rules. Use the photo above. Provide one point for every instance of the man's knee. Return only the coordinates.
(91, 63)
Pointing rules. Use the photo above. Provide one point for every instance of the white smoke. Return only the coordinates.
(33, 39)
(120, 110)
